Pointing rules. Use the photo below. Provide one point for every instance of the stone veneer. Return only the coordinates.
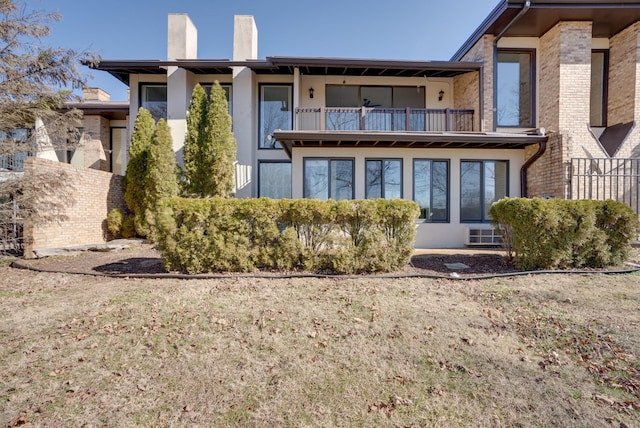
(93, 194)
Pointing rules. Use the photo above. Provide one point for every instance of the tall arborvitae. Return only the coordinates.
(161, 178)
(193, 165)
(219, 145)
(210, 147)
(135, 176)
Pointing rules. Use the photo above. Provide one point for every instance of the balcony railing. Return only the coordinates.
(383, 119)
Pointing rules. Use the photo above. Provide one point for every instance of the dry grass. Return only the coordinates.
(527, 351)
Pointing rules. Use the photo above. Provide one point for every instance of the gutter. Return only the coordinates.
(542, 147)
(515, 19)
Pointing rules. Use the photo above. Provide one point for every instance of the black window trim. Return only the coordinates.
(605, 88)
(382, 159)
(329, 159)
(482, 162)
(260, 86)
(413, 190)
(141, 84)
(532, 86)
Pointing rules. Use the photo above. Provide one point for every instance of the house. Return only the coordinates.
(541, 100)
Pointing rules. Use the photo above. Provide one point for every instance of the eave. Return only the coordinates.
(608, 18)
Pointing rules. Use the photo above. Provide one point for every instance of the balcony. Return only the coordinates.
(383, 119)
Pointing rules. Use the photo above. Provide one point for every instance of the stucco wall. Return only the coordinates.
(93, 194)
(429, 235)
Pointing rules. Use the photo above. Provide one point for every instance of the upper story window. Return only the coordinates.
(599, 79)
(375, 96)
(515, 88)
(383, 178)
(153, 97)
(276, 112)
(481, 184)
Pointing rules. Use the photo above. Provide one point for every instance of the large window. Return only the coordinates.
(274, 179)
(276, 112)
(431, 189)
(153, 97)
(328, 178)
(383, 178)
(599, 78)
(481, 184)
(515, 88)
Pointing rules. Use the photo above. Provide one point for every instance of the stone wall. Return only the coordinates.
(92, 194)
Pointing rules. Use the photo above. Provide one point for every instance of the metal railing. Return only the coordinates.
(603, 178)
(13, 162)
(383, 119)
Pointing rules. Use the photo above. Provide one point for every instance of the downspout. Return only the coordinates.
(542, 146)
(516, 18)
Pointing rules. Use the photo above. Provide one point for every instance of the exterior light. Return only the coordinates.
(310, 92)
(440, 95)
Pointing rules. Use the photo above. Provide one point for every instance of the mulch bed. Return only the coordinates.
(144, 259)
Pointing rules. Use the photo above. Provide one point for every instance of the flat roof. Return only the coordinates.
(418, 140)
(110, 109)
(609, 17)
(121, 69)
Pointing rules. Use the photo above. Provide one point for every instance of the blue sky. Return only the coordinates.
(396, 29)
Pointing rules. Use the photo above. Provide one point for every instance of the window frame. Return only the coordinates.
(532, 85)
(141, 85)
(261, 87)
(366, 170)
(270, 161)
(448, 192)
(483, 209)
(329, 160)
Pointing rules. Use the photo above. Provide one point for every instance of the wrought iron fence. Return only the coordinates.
(383, 119)
(11, 231)
(603, 178)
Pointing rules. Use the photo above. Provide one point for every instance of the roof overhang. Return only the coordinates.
(609, 17)
(121, 69)
(418, 140)
(111, 109)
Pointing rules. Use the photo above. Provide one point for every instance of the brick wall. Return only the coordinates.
(467, 95)
(548, 176)
(96, 142)
(93, 194)
(481, 51)
(624, 86)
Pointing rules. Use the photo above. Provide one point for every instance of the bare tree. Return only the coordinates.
(35, 83)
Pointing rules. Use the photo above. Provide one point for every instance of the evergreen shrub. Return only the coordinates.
(241, 235)
(555, 233)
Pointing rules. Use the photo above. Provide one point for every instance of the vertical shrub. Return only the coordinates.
(210, 147)
(135, 175)
(161, 179)
(194, 167)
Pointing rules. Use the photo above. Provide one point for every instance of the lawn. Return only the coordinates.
(542, 350)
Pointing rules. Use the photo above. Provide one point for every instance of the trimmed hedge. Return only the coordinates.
(242, 235)
(557, 233)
